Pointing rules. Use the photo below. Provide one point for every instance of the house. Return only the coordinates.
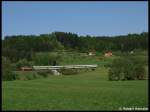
(25, 68)
(108, 54)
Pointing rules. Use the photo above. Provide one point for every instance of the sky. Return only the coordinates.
(83, 18)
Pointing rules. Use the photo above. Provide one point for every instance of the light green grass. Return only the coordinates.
(86, 91)
(82, 59)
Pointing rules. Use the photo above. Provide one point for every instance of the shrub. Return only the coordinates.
(22, 63)
(9, 76)
(46, 58)
(69, 71)
(44, 73)
(30, 76)
(20, 76)
(140, 72)
(7, 73)
(128, 68)
(26, 75)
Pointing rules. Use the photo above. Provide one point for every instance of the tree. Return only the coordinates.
(20, 46)
(46, 58)
(22, 63)
(128, 68)
(7, 73)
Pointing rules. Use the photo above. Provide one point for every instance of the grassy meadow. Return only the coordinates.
(85, 91)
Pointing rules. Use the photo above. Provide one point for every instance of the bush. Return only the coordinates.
(29, 76)
(22, 63)
(128, 68)
(44, 73)
(46, 58)
(26, 75)
(9, 76)
(20, 76)
(140, 72)
(69, 71)
(7, 73)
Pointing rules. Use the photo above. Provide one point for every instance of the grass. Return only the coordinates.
(73, 59)
(85, 91)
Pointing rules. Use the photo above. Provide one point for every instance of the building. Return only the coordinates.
(25, 68)
(108, 54)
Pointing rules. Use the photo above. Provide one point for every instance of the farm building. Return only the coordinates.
(108, 54)
(25, 68)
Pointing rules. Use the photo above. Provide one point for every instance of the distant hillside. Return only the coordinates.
(24, 45)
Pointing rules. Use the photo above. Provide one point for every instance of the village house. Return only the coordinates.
(25, 68)
(108, 54)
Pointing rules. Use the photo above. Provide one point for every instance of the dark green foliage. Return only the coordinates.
(46, 58)
(127, 68)
(140, 72)
(44, 73)
(19, 47)
(37, 50)
(22, 63)
(69, 71)
(25, 75)
(30, 75)
(7, 69)
(20, 76)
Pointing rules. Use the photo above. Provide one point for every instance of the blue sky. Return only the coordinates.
(84, 18)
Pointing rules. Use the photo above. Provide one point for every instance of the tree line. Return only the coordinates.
(17, 47)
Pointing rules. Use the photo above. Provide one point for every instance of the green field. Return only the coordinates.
(85, 91)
